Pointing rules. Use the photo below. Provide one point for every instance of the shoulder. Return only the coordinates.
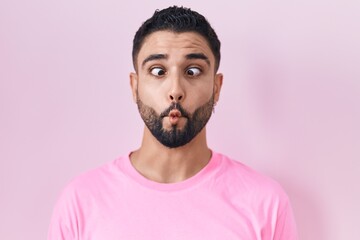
(91, 181)
(262, 198)
(243, 180)
(79, 198)
(83, 190)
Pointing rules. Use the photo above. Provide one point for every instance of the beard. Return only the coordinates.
(175, 137)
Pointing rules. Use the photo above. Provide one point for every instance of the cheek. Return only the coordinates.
(154, 94)
(198, 96)
(152, 97)
(201, 91)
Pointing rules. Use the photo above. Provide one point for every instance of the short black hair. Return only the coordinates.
(178, 20)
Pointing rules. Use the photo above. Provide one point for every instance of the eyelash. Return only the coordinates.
(200, 71)
(197, 68)
(160, 69)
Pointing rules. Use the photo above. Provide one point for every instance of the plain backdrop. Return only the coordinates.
(289, 107)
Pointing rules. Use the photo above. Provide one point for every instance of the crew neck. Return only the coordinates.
(199, 177)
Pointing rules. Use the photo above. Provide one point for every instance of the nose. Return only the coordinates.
(176, 92)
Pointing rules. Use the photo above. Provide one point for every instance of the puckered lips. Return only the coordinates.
(174, 116)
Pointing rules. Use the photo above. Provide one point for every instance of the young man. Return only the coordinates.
(174, 186)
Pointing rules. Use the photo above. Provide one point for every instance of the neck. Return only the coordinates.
(169, 165)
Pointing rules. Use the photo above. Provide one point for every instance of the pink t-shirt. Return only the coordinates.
(225, 200)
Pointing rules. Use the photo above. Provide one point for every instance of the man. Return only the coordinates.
(174, 186)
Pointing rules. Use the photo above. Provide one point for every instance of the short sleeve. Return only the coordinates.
(285, 225)
(64, 224)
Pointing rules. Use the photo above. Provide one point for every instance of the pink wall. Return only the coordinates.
(289, 106)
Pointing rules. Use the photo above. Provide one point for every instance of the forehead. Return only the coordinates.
(172, 43)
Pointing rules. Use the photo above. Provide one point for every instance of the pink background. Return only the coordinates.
(289, 106)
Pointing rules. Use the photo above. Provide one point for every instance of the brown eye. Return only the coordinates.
(193, 71)
(157, 71)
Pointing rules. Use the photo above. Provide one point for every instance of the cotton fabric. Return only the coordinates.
(225, 200)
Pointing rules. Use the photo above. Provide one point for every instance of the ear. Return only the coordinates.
(217, 86)
(134, 85)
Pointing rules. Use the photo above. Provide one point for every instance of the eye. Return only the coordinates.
(157, 71)
(193, 71)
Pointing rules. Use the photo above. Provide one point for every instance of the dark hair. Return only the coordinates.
(179, 20)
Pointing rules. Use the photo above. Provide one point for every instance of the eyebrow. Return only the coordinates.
(165, 56)
(154, 57)
(198, 56)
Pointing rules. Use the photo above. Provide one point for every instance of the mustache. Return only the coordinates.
(176, 106)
